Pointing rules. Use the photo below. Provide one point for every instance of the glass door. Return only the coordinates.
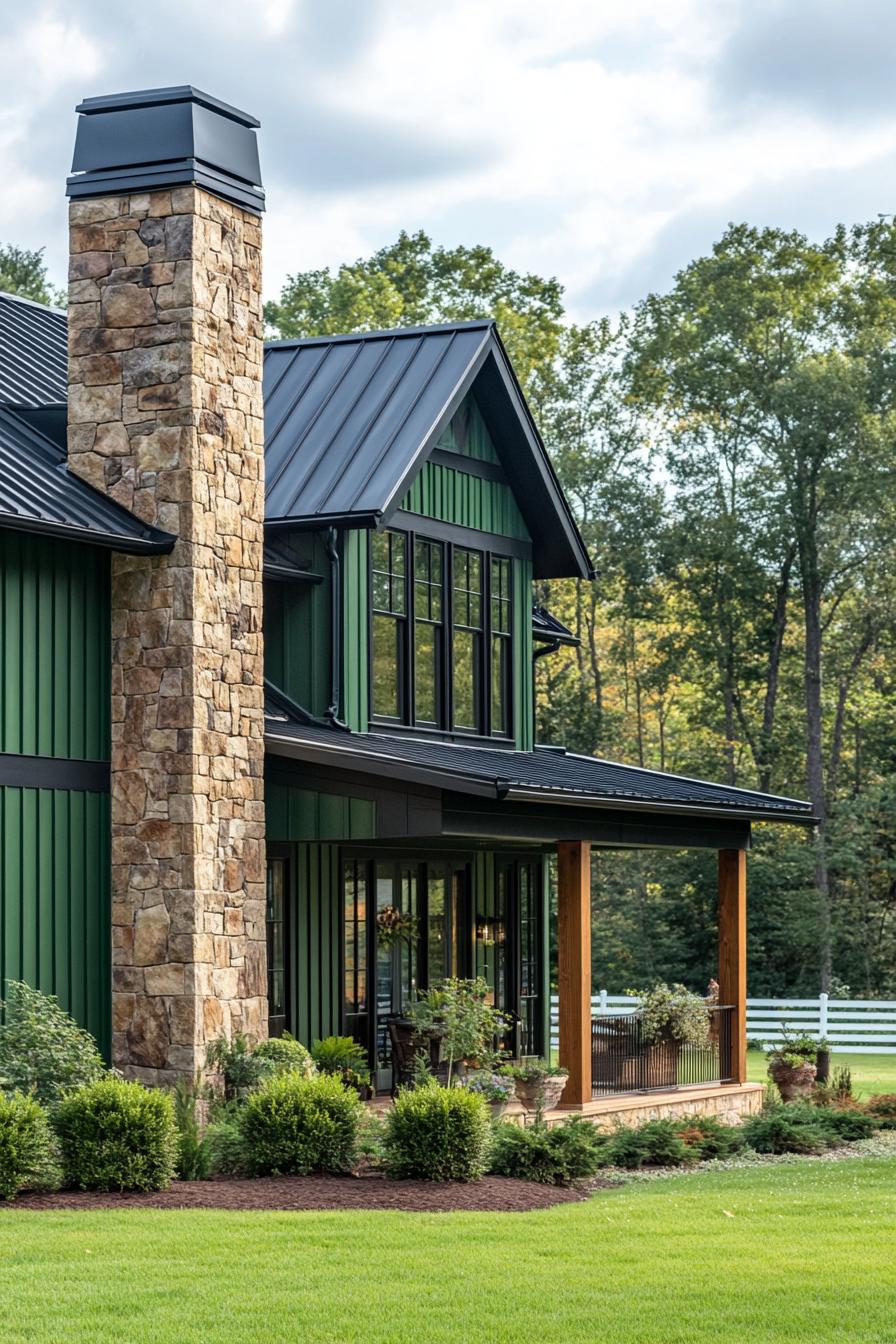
(449, 923)
(275, 927)
(397, 961)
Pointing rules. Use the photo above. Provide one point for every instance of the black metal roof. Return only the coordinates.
(39, 494)
(33, 353)
(547, 774)
(350, 421)
(547, 628)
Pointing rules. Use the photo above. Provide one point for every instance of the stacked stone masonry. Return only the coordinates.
(166, 416)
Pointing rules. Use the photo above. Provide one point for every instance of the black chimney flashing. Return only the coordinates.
(158, 138)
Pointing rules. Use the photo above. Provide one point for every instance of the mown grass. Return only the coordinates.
(796, 1254)
(870, 1073)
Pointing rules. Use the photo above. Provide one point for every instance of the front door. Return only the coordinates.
(397, 885)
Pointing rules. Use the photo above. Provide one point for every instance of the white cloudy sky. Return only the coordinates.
(603, 141)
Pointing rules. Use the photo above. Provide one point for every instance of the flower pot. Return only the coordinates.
(553, 1091)
(793, 1081)
(822, 1066)
(541, 1092)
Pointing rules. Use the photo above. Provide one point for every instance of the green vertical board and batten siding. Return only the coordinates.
(466, 433)
(294, 813)
(297, 632)
(55, 913)
(315, 938)
(54, 648)
(457, 496)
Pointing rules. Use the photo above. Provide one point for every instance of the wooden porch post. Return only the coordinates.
(733, 952)
(574, 967)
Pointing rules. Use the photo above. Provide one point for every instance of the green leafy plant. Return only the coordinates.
(658, 1143)
(786, 1129)
(193, 1162)
(43, 1051)
(437, 1133)
(459, 1014)
(117, 1136)
(285, 1055)
(294, 1125)
(796, 1048)
(241, 1068)
(673, 1012)
(845, 1124)
(28, 1152)
(557, 1156)
(225, 1146)
(343, 1056)
(533, 1070)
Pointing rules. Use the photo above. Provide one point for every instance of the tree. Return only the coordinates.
(24, 272)
(773, 352)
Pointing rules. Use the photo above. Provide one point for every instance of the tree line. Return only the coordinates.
(729, 448)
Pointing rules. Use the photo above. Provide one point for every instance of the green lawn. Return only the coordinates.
(795, 1254)
(870, 1073)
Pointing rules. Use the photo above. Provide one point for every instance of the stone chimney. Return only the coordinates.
(166, 416)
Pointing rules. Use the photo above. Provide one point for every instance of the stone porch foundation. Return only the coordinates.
(730, 1103)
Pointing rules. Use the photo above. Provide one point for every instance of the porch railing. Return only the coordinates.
(623, 1060)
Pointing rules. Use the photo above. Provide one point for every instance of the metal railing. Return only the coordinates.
(624, 1060)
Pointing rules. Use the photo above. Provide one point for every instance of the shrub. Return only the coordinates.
(845, 1124)
(657, 1143)
(709, 1137)
(241, 1068)
(285, 1055)
(117, 1136)
(192, 1153)
(28, 1159)
(786, 1129)
(557, 1156)
(883, 1108)
(293, 1125)
(437, 1133)
(43, 1051)
(225, 1146)
(343, 1056)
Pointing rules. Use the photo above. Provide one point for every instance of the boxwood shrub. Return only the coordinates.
(117, 1136)
(436, 1133)
(28, 1157)
(556, 1156)
(285, 1055)
(793, 1128)
(294, 1125)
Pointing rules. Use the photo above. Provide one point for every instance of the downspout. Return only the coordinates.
(332, 711)
(545, 649)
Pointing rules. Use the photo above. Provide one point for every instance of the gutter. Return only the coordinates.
(150, 542)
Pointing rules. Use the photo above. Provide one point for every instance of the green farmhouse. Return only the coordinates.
(267, 649)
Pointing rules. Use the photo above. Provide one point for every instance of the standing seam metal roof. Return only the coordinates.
(33, 353)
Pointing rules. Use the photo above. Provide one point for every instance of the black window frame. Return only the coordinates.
(445, 726)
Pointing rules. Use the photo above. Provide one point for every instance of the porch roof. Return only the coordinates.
(549, 775)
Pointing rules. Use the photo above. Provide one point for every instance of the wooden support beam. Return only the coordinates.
(733, 952)
(574, 967)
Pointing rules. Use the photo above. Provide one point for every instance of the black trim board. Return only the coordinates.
(469, 466)
(464, 536)
(508, 821)
(51, 772)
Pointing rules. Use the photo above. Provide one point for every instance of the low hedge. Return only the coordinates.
(28, 1155)
(294, 1125)
(117, 1136)
(556, 1156)
(285, 1054)
(436, 1133)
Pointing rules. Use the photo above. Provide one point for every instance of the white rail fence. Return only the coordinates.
(856, 1026)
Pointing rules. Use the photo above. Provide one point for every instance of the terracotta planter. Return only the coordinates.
(794, 1082)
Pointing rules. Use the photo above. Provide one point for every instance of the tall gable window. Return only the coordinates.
(441, 635)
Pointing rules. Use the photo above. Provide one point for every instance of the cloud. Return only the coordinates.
(604, 144)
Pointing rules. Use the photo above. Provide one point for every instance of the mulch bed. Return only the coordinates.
(493, 1194)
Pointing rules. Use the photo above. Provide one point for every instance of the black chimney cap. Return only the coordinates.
(156, 138)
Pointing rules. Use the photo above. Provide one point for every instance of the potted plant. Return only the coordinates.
(792, 1067)
(495, 1088)
(539, 1085)
(672, 1016)
(458, 1015)
(394, 926)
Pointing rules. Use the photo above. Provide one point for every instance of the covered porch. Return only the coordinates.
(458, 841)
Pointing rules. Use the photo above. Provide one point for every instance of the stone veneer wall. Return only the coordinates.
(166, 416)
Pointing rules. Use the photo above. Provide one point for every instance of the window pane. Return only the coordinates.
(500, 659)
(379, 550)
(466, 688)
(386, 666)
(397, 544)
(425, 672)
(381, 596)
